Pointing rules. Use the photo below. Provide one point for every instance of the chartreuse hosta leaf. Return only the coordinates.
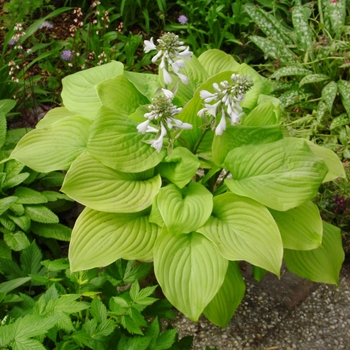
(216, 61)
(243, 229)
(322, 264)
(100, 238)
(54, 115)
(190, 270)
(102, 188)
(179, 167)
(79, 92)
(185, 210)
(240, 135)
(280, 175)
(300, 227)
(222, 307)
(334, 165)
(115, 142)
(129, 98)
(53, 147)
(266, 113)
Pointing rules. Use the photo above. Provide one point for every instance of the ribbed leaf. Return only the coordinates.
(55, 231)
(329, 92)
(280, 175)
(79, 90)
(344, 89)
(240, 135)
(300, 227)
(53, 147)
(185, 210)
(96, 186)
(322, 264)
(98, 239)
(266, 113)
(115, 142)
(313, 78)
(334, 165)
(40, 213)
(129, 98)
(222, 307)
(14, 181)
(16, 241)
(23, 222)
(5, 203)
(243, 229)
(179, 167)
(301, 27)
(216, 61)
(8, 286)
(290, 71)
(53, 116)
(190, 270)
(29, 196)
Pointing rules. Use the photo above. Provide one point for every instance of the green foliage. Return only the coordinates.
(310, 68)
(89, 309)
(232, 196)
(25, 212)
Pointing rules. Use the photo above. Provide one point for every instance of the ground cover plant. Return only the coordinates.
(189, 168)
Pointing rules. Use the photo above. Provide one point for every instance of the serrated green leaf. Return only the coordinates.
(55, 231)
(8, 223)
(105, 189)
(13, 167)
(29, 196)
(300, 227)
(56, 265)
(16, 241)
(40, 213)
(23, 343)
(33, 325)
(313, 78)
(5, 251)
(31, 258)
(280, 175)
(135, 271)
(98, 310)
(165, 340)
(22, 221)
(221, 309)
(329, 92)
(110, 237)
(115, 141)
(5, 203)
(79, 93)
(243, 229)
(179, 167)
(290, 71)
(322, 264)
(8, 286)
(17, 208)
(185, 210)
(190, 270)
(14, 181)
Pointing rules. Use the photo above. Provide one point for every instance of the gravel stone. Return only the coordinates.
(290, 313)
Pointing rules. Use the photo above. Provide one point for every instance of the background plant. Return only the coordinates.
(310, 63)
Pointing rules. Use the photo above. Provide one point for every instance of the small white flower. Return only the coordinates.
(226, 99)
(149, 45)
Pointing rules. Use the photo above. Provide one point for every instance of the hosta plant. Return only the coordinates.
(190, 169)
(28, 201)
(310, 66)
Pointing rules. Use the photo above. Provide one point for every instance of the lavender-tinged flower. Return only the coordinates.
(171, 52)
(226, 98)
(46, 24)
(161, 115)
(13, 40)
(67, 55)
(182, 19)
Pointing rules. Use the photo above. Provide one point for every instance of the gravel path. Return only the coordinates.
(288, 314)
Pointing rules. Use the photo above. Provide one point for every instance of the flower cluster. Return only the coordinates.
(226, 100)
(171, 52)
(67, 55)
(19, 32)
(161, 115)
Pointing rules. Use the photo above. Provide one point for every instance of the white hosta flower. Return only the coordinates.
(162, 113)
(171, 51)
(226, 98)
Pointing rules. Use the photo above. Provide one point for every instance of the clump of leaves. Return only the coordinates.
(27, 201)
(95, 309)
(310, 67)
